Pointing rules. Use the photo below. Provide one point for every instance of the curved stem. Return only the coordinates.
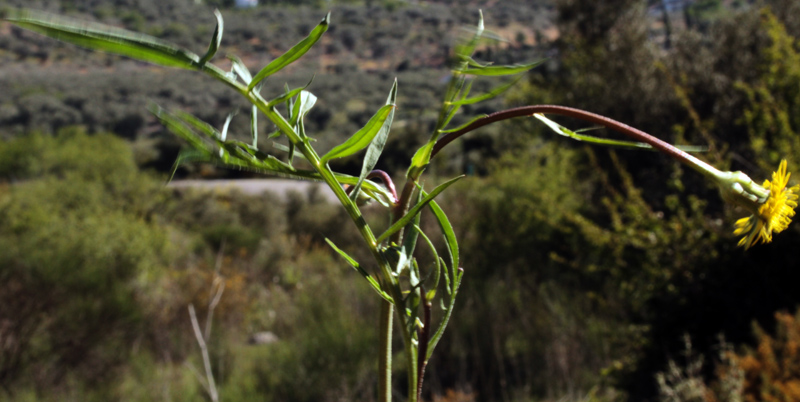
(612, 124)
(386, 180)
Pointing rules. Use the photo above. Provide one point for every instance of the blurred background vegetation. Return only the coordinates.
(591, 274)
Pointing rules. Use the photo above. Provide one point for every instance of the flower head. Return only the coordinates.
(774, 214)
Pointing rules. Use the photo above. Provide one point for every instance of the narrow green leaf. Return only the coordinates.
(105, 38)
(347, 258)
(353, 263)
(411, 236)
(292, 54)
(231, 152)
(289, 100)
(288, 95)
(501, 70)
(472, 120)
(216, 39)
(379, 196)
(238, 67)
(287, 149)
(186, 156)
(448, 232)
(362, 138)
(445, 320)
(254, 125)
(180, 129)
(402, 222)
(561, 130)
(489, 95)
(302, 105)
(224, 133)
(465, 50)
(376, 145)
(197, 124)
(437, 271)
(472, 63)
(446, 278)
(421, 159)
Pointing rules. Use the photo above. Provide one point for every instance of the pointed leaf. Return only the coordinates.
(489, 95)
(376, 146)
(186, 156)
(292, 54)
(180, 129)
(472, 120)
(302, 105)
(254, 125)
(197, 124)
(106, 38)
(448, 232)
(434, 340)
(406, 251)
(501, 70)
(421, 159)
(238, 67)
(561, 130)
(224, 133)
(362, 138)
(402, 222)
(436, 271)
(288, 95)
(216, 39)
(466, 49)
(472, 63)
(374, 283)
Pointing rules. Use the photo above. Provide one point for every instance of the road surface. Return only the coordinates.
(280, 187)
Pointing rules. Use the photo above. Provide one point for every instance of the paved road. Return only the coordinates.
(257, 186)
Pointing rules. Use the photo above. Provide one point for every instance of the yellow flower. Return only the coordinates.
(774, 214)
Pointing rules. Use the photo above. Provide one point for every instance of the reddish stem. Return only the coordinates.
(386, 180)
(569, 112)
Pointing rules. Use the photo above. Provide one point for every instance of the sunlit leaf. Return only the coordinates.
(376, 146)
(216, 39)
(500, 70)
(448, 232)
(302, 105)
(420, 160)
(187, 156)
(409, 216)
(288, 94)
(240, 69)
(254, 125)
(362, 138)
(292, 54)
(353, 263)
(561, 130)
(106, 38)
(489, 95)
(180, 129)
(474, 119)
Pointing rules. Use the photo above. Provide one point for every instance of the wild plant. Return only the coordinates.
(407, 289)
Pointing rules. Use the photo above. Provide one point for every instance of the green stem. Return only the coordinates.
(385, 325)
(390, 281)
(385, 358)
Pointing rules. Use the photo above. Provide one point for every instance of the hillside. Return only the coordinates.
(49, 85)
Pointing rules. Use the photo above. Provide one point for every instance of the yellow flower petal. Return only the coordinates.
(775, 213)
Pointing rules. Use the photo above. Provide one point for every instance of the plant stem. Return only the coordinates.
(385, 325)
(385, 350)
(577, 114)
